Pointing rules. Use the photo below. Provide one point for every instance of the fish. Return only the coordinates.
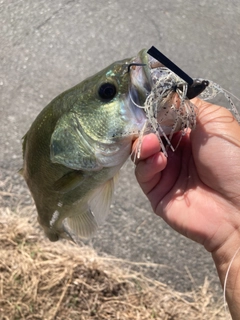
(76, 146)
(74, 149)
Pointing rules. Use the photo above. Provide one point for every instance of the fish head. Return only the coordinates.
(108, 106)
(106, 116)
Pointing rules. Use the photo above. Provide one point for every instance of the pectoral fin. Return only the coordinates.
(102, 199)
(91, 213)
(83, 224)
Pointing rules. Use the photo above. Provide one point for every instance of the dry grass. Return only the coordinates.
(62, 281)
(43, 280)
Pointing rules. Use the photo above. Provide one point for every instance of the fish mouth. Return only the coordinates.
(144, 72)
(164, 110)
(140, 86)
(141, 77)
(141, 83)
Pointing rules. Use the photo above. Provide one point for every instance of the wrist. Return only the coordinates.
(227, 261)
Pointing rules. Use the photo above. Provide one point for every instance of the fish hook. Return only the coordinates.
(135, 64)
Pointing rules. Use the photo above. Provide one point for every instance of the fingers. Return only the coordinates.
(151, 163)
(150, 145)
(216, 149)
(215, 119)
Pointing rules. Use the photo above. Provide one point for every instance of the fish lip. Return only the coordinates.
(140, 86)
(141, 77)
(140, 74)
(149, 63)
(141, 83)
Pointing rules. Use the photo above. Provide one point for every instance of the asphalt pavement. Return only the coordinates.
(48, 46)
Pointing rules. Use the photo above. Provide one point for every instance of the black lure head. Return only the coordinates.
(196, 88)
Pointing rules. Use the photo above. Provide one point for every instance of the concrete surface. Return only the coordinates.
(49, 46)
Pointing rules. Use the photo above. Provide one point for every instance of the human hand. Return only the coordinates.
(196, 190)
(196, 187)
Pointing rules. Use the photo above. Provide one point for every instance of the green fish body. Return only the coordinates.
(76, 146)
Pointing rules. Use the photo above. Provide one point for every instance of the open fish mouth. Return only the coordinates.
(141, 76)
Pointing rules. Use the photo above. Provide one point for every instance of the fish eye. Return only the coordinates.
(107, 91)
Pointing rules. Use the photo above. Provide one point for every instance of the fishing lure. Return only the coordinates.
(168, 107)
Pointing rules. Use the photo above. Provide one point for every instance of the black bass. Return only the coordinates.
(76, 146)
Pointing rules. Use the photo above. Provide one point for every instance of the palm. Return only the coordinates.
(195, 191)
